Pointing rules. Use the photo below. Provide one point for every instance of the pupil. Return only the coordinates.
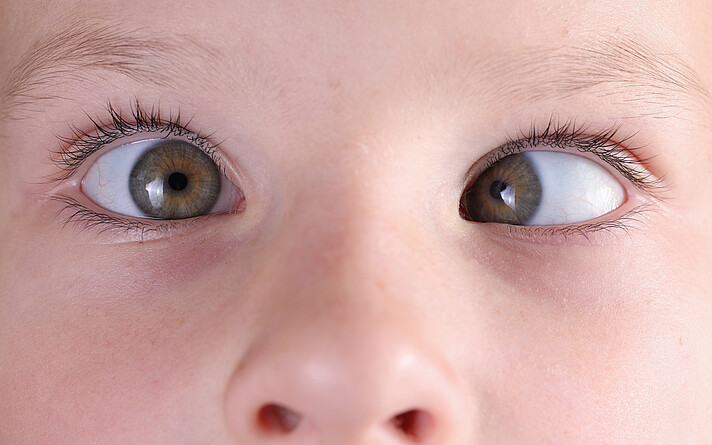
(178, 181)
(497, 188)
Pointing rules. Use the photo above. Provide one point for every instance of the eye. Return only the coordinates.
(541, 188)
(159, 179)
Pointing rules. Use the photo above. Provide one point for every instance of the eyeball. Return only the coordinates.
(159, 179)
(542, 188)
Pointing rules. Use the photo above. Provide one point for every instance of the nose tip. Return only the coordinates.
(332, 390)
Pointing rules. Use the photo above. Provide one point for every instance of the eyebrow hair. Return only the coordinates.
(623, 68)
(619, 67)
(68, 55)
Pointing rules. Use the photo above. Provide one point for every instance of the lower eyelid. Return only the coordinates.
(117, 228)
(611, 228)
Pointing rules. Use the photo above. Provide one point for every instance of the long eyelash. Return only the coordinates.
(80, 145)
(609, 145)
(89, 219)
(625, 223)
(75, 149)
(78, 214)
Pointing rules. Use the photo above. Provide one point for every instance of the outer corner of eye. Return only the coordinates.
(542, 188)
(159, 179)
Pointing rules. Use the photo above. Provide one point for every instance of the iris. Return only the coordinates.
(175, 180)
(507, 192)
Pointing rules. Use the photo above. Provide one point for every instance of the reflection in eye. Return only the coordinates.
(156, 178)
(540, 188)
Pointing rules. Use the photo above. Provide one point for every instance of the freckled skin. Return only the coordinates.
(349, 290)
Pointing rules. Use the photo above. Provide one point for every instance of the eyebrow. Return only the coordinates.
(71, 54)
(620, 67)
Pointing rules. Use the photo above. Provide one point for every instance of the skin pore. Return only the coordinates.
(343, 298)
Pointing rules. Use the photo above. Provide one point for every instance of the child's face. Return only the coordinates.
(342, 294)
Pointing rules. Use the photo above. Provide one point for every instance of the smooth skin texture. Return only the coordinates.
(349, 289)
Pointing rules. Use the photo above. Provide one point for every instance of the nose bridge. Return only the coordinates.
(360, 263)
(355, 222)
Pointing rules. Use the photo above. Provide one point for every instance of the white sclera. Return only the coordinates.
(574, 189)
(107, 181)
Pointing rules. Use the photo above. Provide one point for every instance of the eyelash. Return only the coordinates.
(609, 146)
(80, 145)
(555, 234)
(567, 135)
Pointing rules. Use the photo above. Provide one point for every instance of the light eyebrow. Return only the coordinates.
(622, 68)
(68, 55)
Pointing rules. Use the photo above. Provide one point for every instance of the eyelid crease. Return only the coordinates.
(75, 149)
(606, 145)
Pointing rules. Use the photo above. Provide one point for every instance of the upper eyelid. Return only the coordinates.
(609, 145)
(82, 144)
(606, 144)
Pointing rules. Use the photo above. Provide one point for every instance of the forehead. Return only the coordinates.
(365, 39)
(352, 60)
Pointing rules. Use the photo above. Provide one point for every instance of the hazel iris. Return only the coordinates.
(508, 192)
(175, 180)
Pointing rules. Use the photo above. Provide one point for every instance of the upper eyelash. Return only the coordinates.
(80, 145)
(608, 145)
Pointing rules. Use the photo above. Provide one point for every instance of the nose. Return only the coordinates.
(354, 382)
(353, 346)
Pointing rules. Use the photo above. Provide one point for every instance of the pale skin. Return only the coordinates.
(348, 288)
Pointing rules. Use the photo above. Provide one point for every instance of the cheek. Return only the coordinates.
(605, 382)
(595, 345)
(91, 366)
(111, 337)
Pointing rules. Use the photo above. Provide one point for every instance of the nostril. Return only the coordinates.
(415, 425)
(277, 419)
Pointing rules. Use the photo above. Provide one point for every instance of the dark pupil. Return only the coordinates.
(497, 188)
(178, 181)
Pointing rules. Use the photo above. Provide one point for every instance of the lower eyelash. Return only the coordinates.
(88, 219)
(623, 224)
(85, 218)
